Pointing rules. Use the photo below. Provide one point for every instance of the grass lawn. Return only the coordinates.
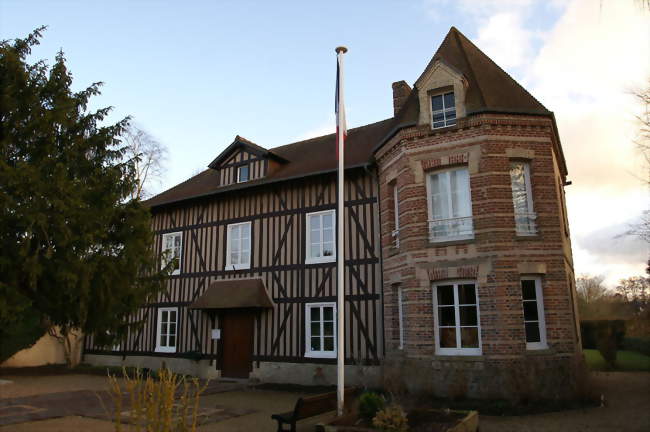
(625, 361)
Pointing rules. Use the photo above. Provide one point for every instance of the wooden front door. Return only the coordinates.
(237, 343)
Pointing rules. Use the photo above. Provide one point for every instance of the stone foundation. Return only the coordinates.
(201, 368)
(316, 374)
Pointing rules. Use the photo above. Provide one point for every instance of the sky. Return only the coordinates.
(195, 74)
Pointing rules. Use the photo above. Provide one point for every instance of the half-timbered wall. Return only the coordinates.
(278, 216)
(257, 167)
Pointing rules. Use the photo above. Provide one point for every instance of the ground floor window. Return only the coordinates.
(456, 316)
(166, 332)
(321, 330)
(533, 305)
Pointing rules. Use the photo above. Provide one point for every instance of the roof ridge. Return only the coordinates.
(326, 135)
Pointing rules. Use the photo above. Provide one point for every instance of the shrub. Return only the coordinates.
(20, 333)
(369, 404)
(169, 404)
(591, 329)
(640, 345)
(391, 419)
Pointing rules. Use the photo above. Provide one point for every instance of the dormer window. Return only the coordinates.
(443, 110)
(242, 174)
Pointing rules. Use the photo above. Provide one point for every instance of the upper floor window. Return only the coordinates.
(239, 246)
(450, 205)
(443, 110)
(533, 304)
(456, 314)
(321, 227)
(166, 332)
(242, 174)
(395, 233)
(171, 251)
(522, 198)
(321, 330)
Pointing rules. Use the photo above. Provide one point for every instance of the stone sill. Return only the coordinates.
(459, 358)
(540, 352)
(392, 250)
(431, 244)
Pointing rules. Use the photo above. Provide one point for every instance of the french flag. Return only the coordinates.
(339, 106)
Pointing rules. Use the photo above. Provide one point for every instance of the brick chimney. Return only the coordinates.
(401, 91)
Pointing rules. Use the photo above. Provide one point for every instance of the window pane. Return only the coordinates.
(519, 192)
(163, 316)
(163, 340)
(469, 337)
(328, 344)
(177, 241)
(328, 235)
(234, 258)
(438, 117)
(447, 338)
(163, 328)
(315, 343)
(460, 198)
(328, 329)
(440, 196)
(436, 103)
(315, 314)
(328, 313)
(172, 329)
(528, 290)
(246, 231)
(243, 173)
(314, 251)
(315, 329)
(466, 294)
(172, 341)
(450, 116)
(327, 220)
(172, 316)
(445, 295)
(439, 124)
(314, 222)
(532, 332)
(449, 100)
(245, 258)
(328, 249)
(447, 316)
(468, 316)
(530, 311)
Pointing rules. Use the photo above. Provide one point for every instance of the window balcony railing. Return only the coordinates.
(459, 228)
(395, 235)
(526, 223)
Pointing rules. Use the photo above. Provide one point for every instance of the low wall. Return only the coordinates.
(201, 368)
(315, 374)
(47, 350)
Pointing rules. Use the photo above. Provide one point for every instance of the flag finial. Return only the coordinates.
(340, 49)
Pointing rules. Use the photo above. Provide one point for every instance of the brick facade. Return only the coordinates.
(496, 258)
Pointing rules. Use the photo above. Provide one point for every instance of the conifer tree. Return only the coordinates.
(74, 247)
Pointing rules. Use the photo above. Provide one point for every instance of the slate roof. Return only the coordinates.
(490, 89)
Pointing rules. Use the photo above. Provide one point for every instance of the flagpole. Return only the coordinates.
(340, 268)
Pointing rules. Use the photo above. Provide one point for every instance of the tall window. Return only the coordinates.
(171, 250)
(395, 232)
(522, 198)
(242, 174)
(321, 330)
(450, 205)
(400, 314)
(457, 327)
(443, 110)
(533, 305)
(239, 246)
(320, 237)
(167, 332)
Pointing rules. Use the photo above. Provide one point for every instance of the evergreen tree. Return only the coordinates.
(74, 247)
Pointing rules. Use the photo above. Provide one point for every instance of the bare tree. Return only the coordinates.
(148, 156)
(590, 288)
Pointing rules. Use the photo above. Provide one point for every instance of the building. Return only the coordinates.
(459, 272)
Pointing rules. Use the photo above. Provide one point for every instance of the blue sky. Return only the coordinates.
(195, 74)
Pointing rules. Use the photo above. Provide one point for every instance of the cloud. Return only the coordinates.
(511, 48)
(324, 128)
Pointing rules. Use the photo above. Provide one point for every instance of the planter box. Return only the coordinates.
(462, 421)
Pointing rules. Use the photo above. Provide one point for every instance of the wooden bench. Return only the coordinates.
(310, 406)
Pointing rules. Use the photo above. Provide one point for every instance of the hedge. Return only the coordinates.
(592, 330)
(640, 345)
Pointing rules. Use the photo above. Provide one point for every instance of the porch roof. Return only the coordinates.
(234, 294)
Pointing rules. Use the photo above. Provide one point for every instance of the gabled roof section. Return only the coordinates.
(241, 143)
(490, 88)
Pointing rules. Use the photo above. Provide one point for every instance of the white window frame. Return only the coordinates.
(456, 351)
(166, 348)
(239, 266)
(395, 232)
(429, 180)
(400, 314)
(541, 320)
(165, 260)
(248, 177)
(444, 110)
(322, 259)
(529, 201)
(321, 353)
